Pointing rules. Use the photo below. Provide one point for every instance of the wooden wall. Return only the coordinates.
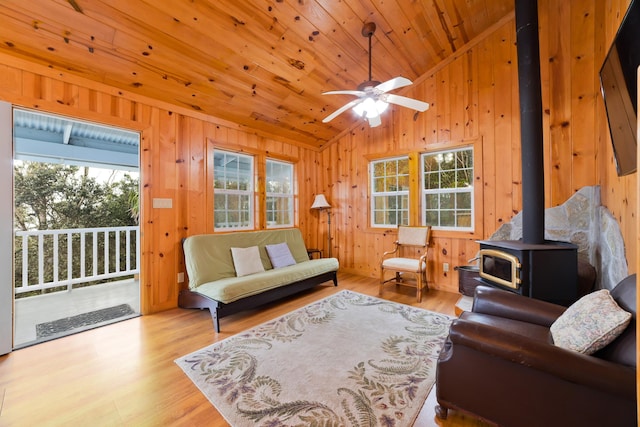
(475, 96)
(620, 195)
(474, 99)
(173, 163)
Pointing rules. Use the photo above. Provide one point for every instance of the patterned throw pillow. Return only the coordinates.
(246, 260)
(590, 323)
(280, 255)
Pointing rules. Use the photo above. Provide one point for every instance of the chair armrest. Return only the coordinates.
(508, 305)
(571, 366)
(393, 251)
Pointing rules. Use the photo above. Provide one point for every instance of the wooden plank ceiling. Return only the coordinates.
(262, 64)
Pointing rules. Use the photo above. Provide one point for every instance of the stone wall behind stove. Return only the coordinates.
(582, 220)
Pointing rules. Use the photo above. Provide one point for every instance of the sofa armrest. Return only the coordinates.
(567, 365)
(506, 304)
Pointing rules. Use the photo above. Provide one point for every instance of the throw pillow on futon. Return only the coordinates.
(590, 323)
(280, 255)
(246, 260)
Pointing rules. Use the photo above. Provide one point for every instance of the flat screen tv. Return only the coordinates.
(618, 83)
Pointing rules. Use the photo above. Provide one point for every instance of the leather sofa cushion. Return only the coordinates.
(623, 349)
(530, 330)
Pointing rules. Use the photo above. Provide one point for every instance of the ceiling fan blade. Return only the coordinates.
(405, 102)
(394, 83)
(345, 92)
(375, 121)
(342, 110)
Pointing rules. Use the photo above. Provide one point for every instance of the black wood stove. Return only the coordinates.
(547, 271)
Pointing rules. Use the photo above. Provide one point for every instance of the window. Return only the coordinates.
(251, 191)
(447, 189)
(390, 192)
(279, 194)
(233, 191)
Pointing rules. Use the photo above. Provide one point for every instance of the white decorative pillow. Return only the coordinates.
(246, 260)
(280, 255)
(590, 323)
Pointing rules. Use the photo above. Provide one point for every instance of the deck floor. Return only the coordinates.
(35, 310)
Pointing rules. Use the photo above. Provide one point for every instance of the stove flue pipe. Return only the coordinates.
(528, 49)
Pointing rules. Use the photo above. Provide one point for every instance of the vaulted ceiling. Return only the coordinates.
(262, 64)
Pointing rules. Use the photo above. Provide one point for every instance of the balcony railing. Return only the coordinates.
(73, 256)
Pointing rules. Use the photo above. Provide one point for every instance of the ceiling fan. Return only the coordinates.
(373, 98)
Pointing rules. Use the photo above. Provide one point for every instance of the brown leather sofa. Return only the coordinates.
(499, 363)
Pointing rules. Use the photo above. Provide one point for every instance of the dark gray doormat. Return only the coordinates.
(47, 329)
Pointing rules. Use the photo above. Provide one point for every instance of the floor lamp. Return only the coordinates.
(320, 202)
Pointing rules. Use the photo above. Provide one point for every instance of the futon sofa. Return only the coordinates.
(233, 272)
(517, 361)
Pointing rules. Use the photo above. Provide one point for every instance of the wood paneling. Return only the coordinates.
(474, 94)
(174, 164)
(260, 64)
(619, 194)
(474, 98)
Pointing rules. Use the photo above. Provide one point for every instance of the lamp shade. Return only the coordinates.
(320, 202)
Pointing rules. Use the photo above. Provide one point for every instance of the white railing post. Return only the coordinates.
(137, 267)
(69, 260)
(41, 258)
(106, 252)
(83, 248)
(55, 256)
(25, 261)
(94, 251)
(117, 266)
(128, 246)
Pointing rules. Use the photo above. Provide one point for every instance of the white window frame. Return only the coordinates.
(277, 198)
(455, 191)
(401, 195)
(247, 193)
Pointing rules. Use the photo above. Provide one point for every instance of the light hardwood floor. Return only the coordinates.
(124, 374)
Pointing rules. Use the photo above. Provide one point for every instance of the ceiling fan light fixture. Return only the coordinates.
(373, 98)
(370, 107)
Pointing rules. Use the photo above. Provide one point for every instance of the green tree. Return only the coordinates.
(49, 197)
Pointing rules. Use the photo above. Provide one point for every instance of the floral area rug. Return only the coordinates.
(346, 360)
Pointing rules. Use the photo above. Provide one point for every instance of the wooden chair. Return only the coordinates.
(407, 247)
